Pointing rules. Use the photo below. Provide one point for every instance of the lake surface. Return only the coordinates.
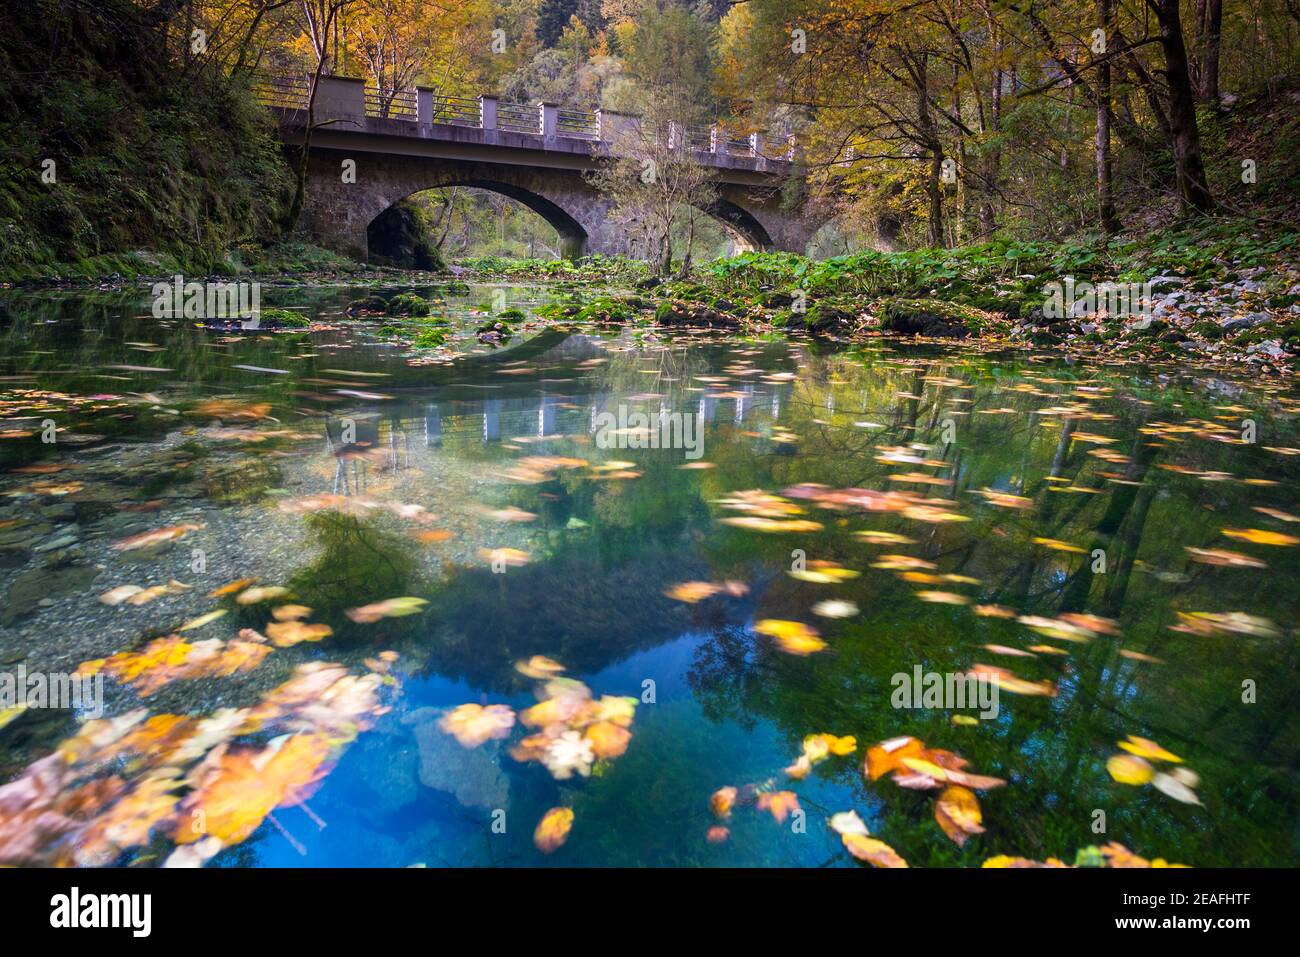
(1119, 540)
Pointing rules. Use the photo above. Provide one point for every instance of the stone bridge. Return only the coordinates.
(404, 142)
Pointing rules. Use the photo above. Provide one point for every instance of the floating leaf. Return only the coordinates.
(1146, 748)
(553, 829)
(722, 801)
(388, 608)
(779, 804)
(202, 620)
(958, 814)
(792, 637)
(1169, 785)
(1128, 769)
(473, 724)
(874, 852)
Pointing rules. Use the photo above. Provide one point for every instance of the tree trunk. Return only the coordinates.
(1189, 167)
(1105, 184)
(930, 135)
(1209, 31)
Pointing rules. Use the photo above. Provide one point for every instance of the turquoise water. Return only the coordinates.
(343, 466)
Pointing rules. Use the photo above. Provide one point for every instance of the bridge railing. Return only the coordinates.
(391, 104)
(454, 111)
(286, 91)
(519, 119)
(349, 100)
(577, 124)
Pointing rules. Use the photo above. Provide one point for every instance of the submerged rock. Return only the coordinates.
(472, 775)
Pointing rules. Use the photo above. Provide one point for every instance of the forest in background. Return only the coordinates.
(919, 123)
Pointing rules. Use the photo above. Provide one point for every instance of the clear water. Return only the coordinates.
(729, 707)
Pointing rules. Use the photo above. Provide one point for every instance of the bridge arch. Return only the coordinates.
(742, 224)
(573, 235)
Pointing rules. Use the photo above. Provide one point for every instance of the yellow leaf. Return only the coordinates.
(1127, 769)
(874, 852)
(1146, 748)
(958, 814)
(553, 829)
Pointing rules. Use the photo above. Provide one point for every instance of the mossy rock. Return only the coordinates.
(430, 338)
(823, 318)
(676, 313)
(558, 310)
(512, 315)
(272, 318)
(367, 307)
(929, 317)
(408, 304)
(608, 309)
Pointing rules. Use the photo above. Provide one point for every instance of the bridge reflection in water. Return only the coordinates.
(416, 436)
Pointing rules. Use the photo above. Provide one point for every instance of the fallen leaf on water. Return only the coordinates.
(115, 596)
(539, 667)
(874, 852)
(157, 536)
(1129, 769)
(289, 612)
(848, 822)
(958, 814)
(692, 592)
(389, 608)
(779, 804)
(1146, 748)
(1059, 546)
(823, 573)
(1169, 785)
(757, 523)
(722, 801)
(1007, 681)
(473, 724)
(943, 598)
(509, 557)
(792, 637)
(1260, 536)
(286, 634)
(251, 596)
(202, 620)
(835, 608)
(230, 589)
(888, 755)
(553, 829)
(607, 739)
(1221, 556)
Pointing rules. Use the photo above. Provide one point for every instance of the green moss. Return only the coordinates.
(430, 338)
(272, 316)
(407, 304)
(929, 317)
(146, 156)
